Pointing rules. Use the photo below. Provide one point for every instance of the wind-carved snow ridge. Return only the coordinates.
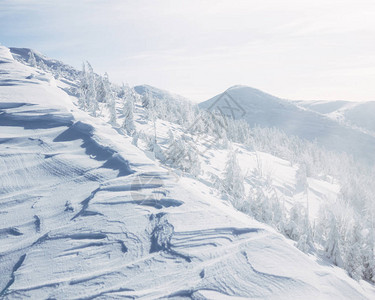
(85, 213)
(12, 277)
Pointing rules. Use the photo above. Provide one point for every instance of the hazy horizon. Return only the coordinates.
(294, 50)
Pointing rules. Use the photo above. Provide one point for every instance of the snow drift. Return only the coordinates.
(76, 220)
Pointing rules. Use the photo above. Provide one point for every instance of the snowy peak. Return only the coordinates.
(245, 93)
(264, 110)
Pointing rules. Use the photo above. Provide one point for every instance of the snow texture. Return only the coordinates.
(77, 220)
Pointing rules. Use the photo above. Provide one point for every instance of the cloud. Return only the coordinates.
(200, 47)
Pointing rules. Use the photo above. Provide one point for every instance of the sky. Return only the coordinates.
(294, 49)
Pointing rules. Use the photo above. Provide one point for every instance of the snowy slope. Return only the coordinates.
(357, 114)
(324, 107)
(268, 111)
(85, 214)
(157, 93)
(22, 54)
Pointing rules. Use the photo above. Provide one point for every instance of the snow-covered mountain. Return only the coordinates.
(88, 211)
(157, 93)
(357, 114)
(308, 122)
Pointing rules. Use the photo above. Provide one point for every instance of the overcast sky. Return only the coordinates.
(296, 49)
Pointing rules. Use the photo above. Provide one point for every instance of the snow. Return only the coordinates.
(84, 213)
(264, 110)
(157, 93)
(359, 115)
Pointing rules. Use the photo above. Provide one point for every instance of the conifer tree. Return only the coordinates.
(32, 61)
(128, 123)
(353, 255)
(332, 247)
(368, 256)
(91, 99)
(233, 179)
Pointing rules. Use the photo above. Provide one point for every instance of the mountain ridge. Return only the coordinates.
(265, 110)
(75, 225)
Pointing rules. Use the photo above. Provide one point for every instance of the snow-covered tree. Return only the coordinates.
(368, 256)
(32, 61)
(332, 245)
(87, 90)
(42, 66)
(128, 123)
(295, 220)
(91, 95)
(303, 243)
(353, 252)
(263, 203)
(135, 139)
(110, 100)
(182, 154)
(127, 110)
(83, 88)
(158, 152)
(57, 72)
(146, 99)
(260, 204)
(124, 90)
(305, 240)
(102, 90)
(233, 182)
(279, 218)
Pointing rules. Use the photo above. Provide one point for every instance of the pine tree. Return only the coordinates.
(158, 152)
(32, 61)
(124, 90)
(42, 66)
(87, 90)
(58, 72)
(322, 224)
(146, 99)
(368, 256)
(260, 205)
(353, 255)
(135, 139)
(303, 243)
(101, 95)
(83, 88)
(278, 218)
(332, 247)
(293, 226)
(233, 179)
(110, 100)
(91, 98)
(128, 123)
(182, 154)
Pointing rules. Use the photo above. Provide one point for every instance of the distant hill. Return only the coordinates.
(264, 110)
(157, 93)
(358, 114)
